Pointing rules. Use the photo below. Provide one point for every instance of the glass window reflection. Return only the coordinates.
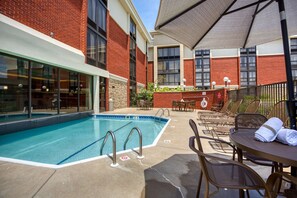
(14, 88)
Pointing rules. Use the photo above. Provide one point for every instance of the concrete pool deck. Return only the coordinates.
(169, 169)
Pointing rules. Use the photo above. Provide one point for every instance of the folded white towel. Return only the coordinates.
(268, 131)
(287, 136)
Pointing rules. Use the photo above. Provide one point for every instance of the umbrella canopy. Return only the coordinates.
(216, 24)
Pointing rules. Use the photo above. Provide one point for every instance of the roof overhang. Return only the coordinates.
(22, 41)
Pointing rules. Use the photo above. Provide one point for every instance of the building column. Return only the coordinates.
(155, 64)
(181, 60)
(96, 93)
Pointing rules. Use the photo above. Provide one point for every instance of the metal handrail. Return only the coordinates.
(114, 147)
(167, 111)
(140, 141)
(163, 111)
(159, 111)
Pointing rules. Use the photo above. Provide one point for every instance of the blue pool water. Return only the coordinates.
(78, 140)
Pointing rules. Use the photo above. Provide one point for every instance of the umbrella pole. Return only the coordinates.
(290, 86)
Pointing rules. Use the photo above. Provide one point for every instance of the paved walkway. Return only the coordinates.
(169, 169)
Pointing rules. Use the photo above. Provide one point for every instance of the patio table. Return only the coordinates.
(183, 105)
(244, 139)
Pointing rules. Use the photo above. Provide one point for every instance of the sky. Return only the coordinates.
(148, 11)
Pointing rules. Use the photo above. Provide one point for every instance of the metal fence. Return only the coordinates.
(269, 94)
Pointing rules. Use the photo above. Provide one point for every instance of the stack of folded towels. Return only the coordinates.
(287, 136)
(273, 129)
(268, 131)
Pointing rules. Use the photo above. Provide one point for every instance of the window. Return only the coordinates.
(132, 90)
(14, 85)
(294, 57)
(132, 29)
(96, 33)
(248, 67)
(202, 62)
(169, 66)
(50, 88)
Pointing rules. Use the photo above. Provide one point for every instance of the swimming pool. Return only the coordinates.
(80, 140)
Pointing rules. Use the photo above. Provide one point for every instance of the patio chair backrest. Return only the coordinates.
(253, 106)
(249, 121)
(279, 110)
(195, 130)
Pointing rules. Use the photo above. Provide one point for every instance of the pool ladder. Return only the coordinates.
(140, 156)
(163, 111)
(114, 145)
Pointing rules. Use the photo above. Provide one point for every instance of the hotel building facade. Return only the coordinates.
(63, 57)
(60, 57)
(173, 64)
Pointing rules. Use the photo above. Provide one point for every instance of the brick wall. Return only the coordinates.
(224, 67)
(164, 99)
(271, 69)
(189, 72)
(150, 72)
(64, 18)
(117, 50)
(140, 66)
(83, 27)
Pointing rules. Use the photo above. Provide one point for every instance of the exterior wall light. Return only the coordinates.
(226, 80)
(184, 81)
(213, 83)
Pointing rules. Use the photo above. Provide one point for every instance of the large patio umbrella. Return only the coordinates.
(217, 24)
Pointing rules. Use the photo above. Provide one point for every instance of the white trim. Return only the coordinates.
(118, 78)
(131, 9)
(188, 59)
(140, 84)
(8, 21)
(276, 54)
(224, 57)
(20, 40)
(169, 45)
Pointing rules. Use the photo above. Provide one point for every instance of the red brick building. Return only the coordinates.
(70, 56)
(74, 56)
(174, 64)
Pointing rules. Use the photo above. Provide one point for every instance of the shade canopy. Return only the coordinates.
(217, 24)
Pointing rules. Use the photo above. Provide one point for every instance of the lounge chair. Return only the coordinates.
(252, 107)
(232, 112)
(224, 110)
